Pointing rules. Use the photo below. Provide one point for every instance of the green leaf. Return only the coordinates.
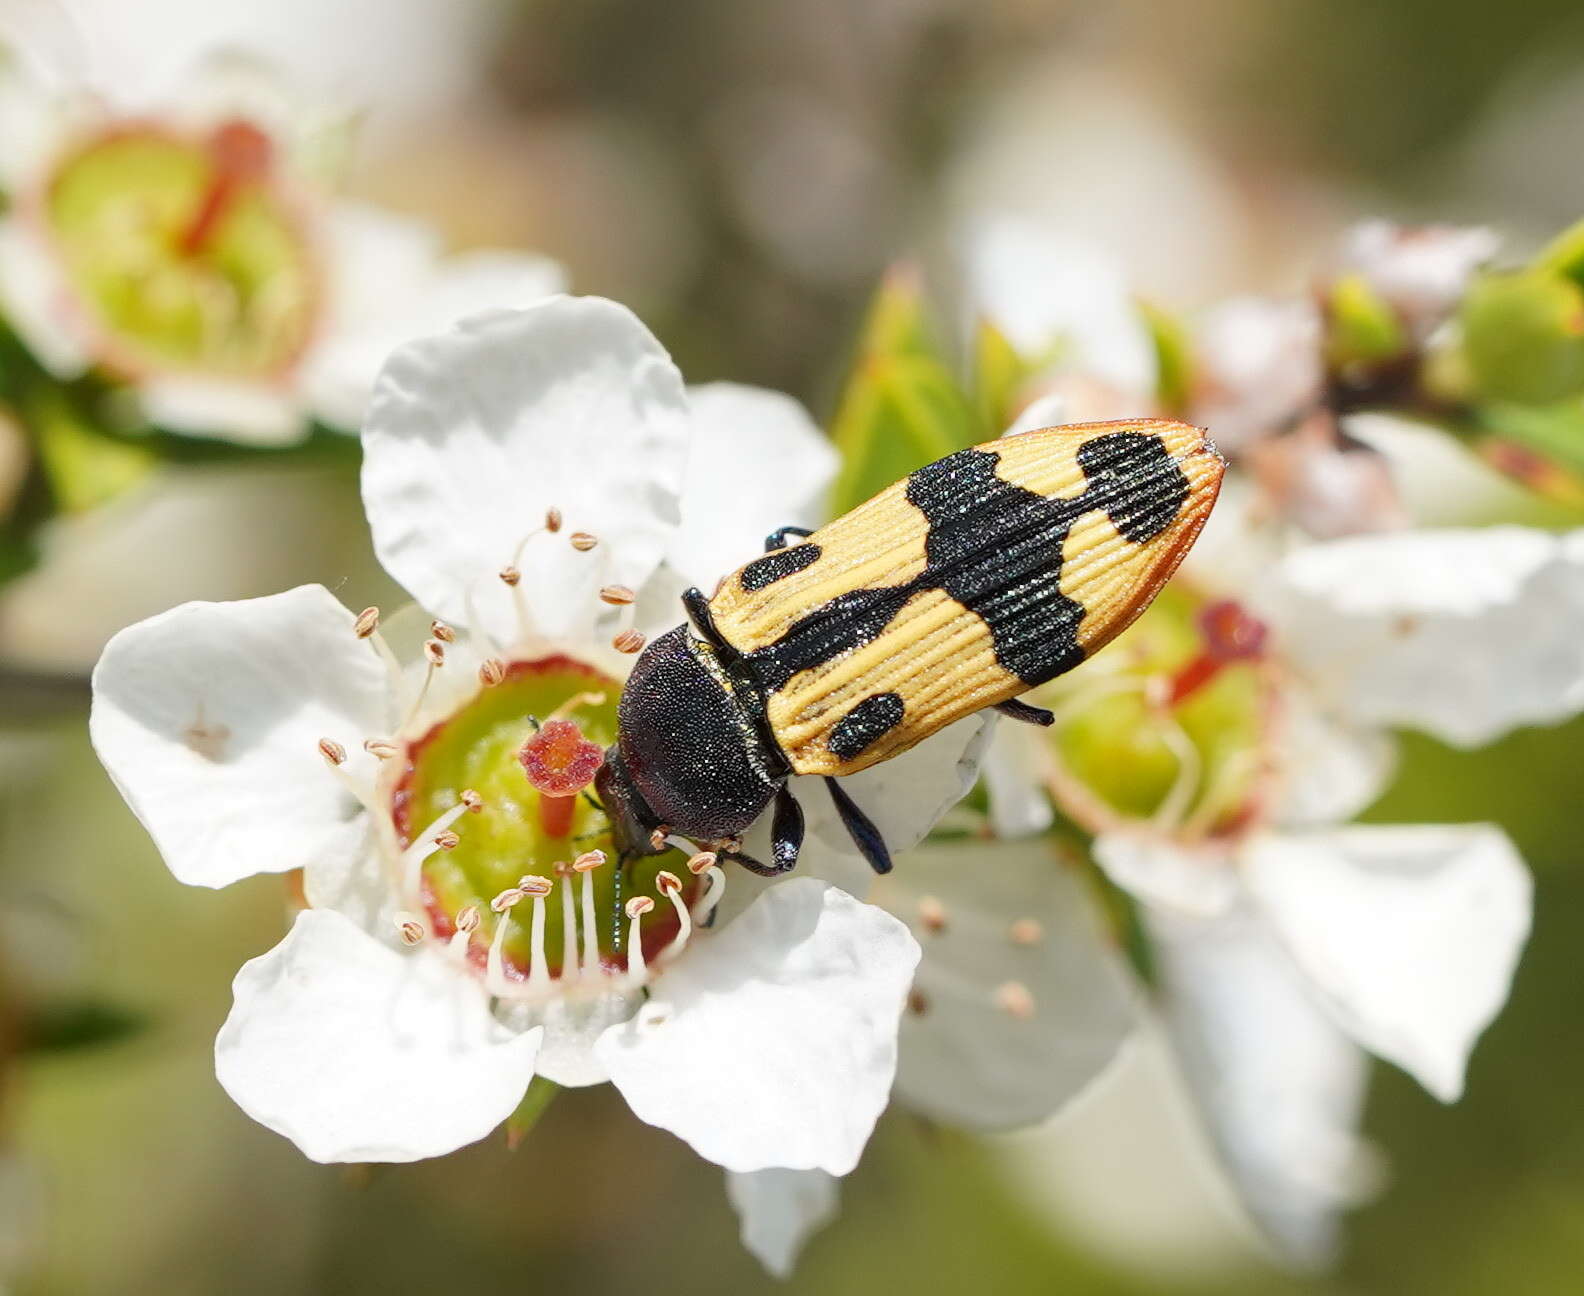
(84, 467)
(902, 407)
(1524, 337)
(1361, 327)
(998, 374)
(1563, 255)
(64, 1025)
(1173, 358)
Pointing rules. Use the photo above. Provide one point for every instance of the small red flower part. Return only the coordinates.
(559, 760)
(1231, 634)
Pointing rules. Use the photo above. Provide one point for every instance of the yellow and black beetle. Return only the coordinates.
(970, 581)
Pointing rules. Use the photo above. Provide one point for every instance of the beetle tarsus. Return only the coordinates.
(786, 830)
(777, 539)
(1015, 710)
(861, 828)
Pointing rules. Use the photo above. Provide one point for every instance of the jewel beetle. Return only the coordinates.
(968, 582)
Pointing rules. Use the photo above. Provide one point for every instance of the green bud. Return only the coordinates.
(1362, 329)
(1523, 334)
(1173, 358)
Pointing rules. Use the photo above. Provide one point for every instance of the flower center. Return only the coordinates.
(184, 251)
(1171, 725)
(534, 866)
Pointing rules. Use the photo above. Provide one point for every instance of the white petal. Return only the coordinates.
(1020, 934)
(1279, 1086)
(759, 462)
(1047, 410)
(247, 413)
(1014, 772)
(780, 1210)
(358, 1052)
(905, 796)
(1047, 290)
(208, 718)
(391, 286)
(1463, 633)
(475, 433)
(571, 1029)
(773, 1043)
(1410, 933)
(38, 304)
(1421, 270)
(1329, 767)
(1258, 367)
(1201, 881)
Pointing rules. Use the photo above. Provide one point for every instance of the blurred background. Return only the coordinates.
(741, 175)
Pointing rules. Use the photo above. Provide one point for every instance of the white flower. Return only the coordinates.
(1421, 271)
(446, 956)
(185, 245)
(1287, 940)
(1066, 307)
(1257, 368)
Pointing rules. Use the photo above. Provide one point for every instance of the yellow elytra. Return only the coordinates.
(965, 584)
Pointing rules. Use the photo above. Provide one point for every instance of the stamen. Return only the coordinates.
(510, 575)
(468, 919)
(412, 931)
(671, 887)
(1015, 1000)
(703, 860)
(473, 801)
(714, 889)
(573, 703)
(333, 752)
(917, 1004)
(411, 862)
(617, 595)
(583, 541)
(657, 839)
(569, 929)
(552, 519)
(447, 840)
(1026, 931)
(494, 963)
(637, 972)
(384, 748)
(538, 969)
(467, 922)
(367, 622)
(491, 671)
(1190, 769)
(586, 864)
(441, 631)
(932, 914)
(628, 641)
(434, 652)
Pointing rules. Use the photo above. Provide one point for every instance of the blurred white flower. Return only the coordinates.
(1257, 368)
(1421, 271)
(413, 1000)
(186, 246)
(1285, 939)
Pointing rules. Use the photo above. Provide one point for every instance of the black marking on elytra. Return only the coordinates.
(778, 564)
(868, 722)
(996, 548)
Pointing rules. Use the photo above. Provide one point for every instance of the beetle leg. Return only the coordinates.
(698, 610)
(860, 827)
(1015, 710)
(750, 863)
(777, 539)
(786, 830)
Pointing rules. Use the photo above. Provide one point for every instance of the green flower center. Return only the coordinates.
(1177, 728)
(184, 251)
(526, 747)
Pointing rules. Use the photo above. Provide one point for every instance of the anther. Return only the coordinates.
(639, 905)
(468, 919)
(447, 840)
(552, 519)
(332, 751)
(702, 861)
(367, 622)
(384, 748)
(668, 882)
(628, 641)
(657, 839)
(617, 595)
(510, 575)
(434, 652)
(533, 884)
(491, 671)
(472, 800)
(1026, 931)
(506, 899)
(1013, 998)
(588, 861)
(917, 1004)
(932, 913)
(441, 631)
(583, 541)
(412, 931)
